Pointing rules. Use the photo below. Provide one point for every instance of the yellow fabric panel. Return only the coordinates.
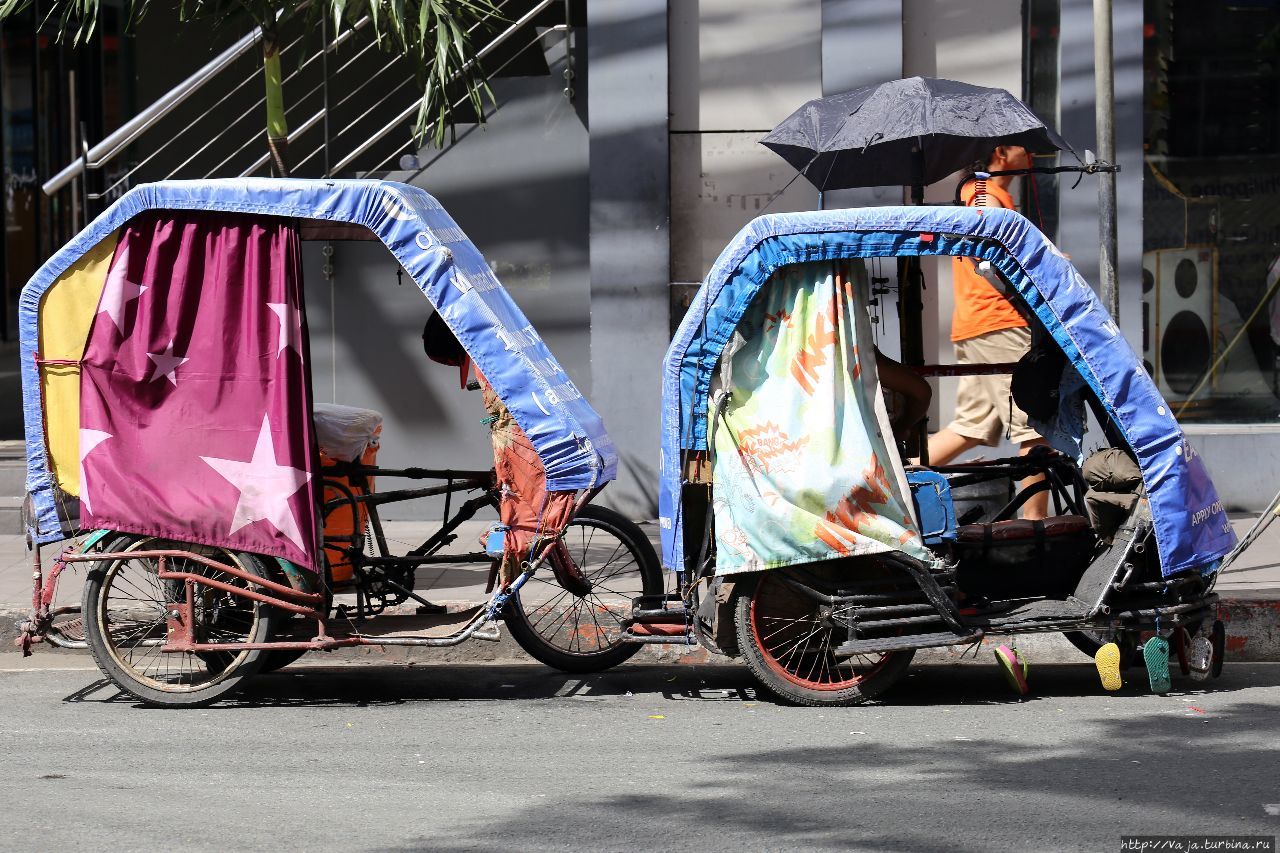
(66, 313)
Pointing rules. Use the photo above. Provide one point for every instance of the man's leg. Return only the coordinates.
(1009, 345)
(976, 422)
(1037, 506)
(945, 445)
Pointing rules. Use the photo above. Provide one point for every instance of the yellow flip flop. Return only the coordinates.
(1107, 659)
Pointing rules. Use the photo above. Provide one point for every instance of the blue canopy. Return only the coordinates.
(566, 432)
(1191, 525)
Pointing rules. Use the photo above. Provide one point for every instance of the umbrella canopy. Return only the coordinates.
(868, 137)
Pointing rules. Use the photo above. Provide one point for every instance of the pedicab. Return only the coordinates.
(805, 543)
(229, 522)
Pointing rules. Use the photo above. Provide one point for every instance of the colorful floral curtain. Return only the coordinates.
(805, 466)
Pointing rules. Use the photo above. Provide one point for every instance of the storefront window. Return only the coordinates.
(20, 165)
(51, 98)
(1211, 207)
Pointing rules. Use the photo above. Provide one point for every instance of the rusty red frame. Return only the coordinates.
(179, 616)
(181, 637)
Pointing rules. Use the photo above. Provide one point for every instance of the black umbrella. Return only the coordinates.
(908, 132)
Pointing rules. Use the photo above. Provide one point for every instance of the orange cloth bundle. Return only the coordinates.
(345, 434)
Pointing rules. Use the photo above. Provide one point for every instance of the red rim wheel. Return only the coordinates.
(790, 643)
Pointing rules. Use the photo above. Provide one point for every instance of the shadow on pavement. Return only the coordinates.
(1163, 770)
(918, 774)
(985, 794)
(368, 685)
(924, 686)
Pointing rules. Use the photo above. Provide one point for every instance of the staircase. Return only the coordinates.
(350, 107)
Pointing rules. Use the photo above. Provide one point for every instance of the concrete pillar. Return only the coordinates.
(629, 234)
(974, 41)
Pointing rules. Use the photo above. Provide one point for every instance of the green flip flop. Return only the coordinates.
(1155, 652)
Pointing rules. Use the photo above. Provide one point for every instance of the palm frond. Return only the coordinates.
(435, 36)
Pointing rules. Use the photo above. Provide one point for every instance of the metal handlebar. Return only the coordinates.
(1094, 168)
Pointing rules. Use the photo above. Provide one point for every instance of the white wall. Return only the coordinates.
(978, 42)
(737, 68)
(519, 190)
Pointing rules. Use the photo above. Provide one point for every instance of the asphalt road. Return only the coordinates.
(681, 759)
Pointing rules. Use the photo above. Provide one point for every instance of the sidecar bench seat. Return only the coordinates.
(1021, 529)
(1020, 558)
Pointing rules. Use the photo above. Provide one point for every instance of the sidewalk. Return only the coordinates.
(1250, 593)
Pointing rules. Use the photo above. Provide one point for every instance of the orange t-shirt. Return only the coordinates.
(979, 307)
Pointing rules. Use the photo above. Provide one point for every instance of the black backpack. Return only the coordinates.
(1036, 380)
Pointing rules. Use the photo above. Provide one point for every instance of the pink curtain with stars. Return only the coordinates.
(195, 412)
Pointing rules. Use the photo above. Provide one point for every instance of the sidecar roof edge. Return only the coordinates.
(566, 432)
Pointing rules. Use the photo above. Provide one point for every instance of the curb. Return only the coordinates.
(1252, 622)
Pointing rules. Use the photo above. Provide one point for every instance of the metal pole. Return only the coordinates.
(4, 182)
(324, 82)
(1105, 106)
(911, 296)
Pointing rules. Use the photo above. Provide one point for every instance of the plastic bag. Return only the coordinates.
(344, 432)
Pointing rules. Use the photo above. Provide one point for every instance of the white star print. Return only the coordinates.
(89, 439)
(166, 363)
(265, 488)
(118, 290)
(290, 325)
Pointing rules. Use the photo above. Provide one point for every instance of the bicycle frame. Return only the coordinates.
(179, 615)
(423, 554)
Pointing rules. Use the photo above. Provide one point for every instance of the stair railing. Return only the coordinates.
(231, 143)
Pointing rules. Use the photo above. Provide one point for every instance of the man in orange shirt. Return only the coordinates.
(987, 329)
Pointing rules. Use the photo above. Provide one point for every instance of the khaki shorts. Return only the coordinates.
(984, 406)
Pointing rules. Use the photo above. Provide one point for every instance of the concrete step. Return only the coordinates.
(13, 470)
(13, 477)
(11, 515)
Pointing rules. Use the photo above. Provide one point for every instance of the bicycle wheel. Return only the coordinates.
(124, 609)
(572, 615)
(789, 644)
